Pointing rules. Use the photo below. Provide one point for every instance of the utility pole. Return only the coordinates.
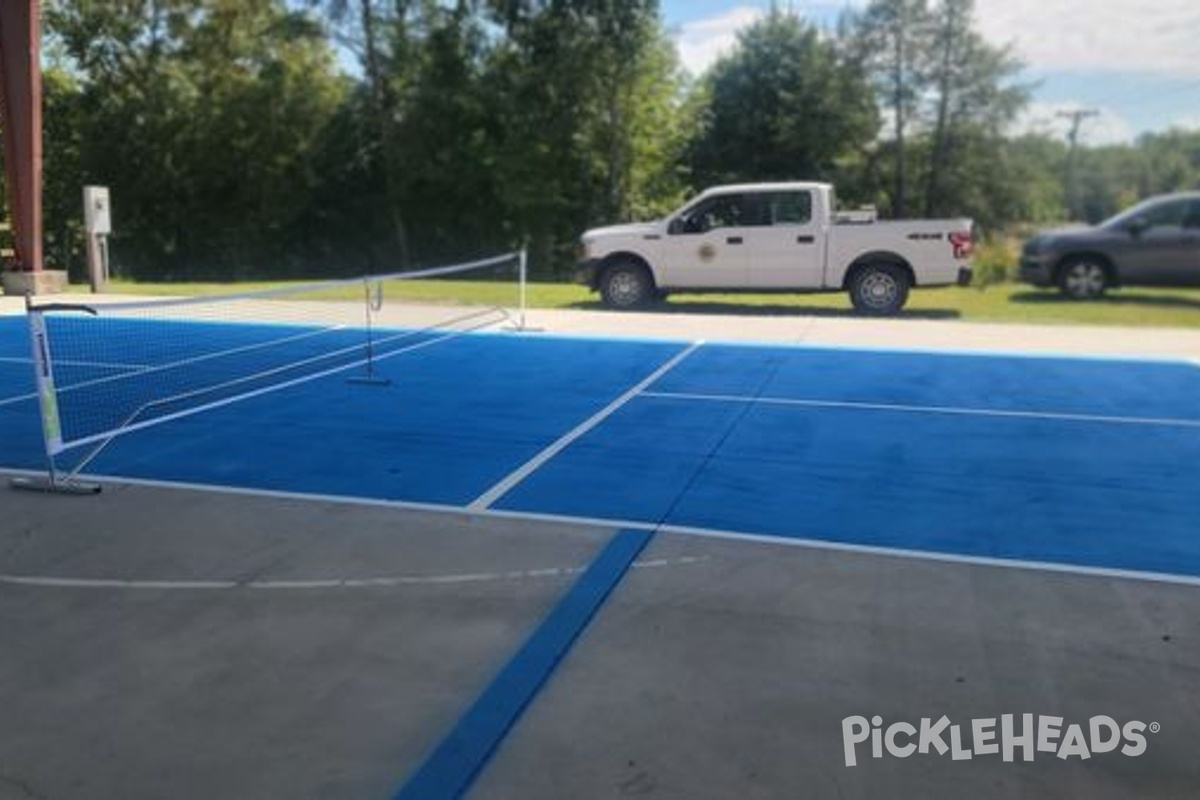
(1077, 117)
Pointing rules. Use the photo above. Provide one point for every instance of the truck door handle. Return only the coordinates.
(734, 240)
(806, 239)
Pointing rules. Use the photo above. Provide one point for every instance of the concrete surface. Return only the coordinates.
(865, 332)
(731, 679)
(144, 676)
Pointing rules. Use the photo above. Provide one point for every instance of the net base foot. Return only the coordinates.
(49, 486)
(369, 381)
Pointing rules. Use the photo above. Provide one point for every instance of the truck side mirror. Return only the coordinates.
(1138, 226)
(681, 225)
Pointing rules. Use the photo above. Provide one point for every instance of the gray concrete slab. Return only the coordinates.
(215, 646)
(731, 680)
(849, 331)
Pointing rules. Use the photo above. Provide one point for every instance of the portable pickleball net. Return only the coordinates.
(108, 369)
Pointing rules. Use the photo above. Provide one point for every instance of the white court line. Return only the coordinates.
(1167, 422)
(20, 398)
(493, 494)
(861, 549)
(73, 363)
(680, 530)
(387, 582)
(131, 427)
(933, 555)
(141, 370)
(23, 398)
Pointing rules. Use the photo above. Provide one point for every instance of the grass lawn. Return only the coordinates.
(1011, 303)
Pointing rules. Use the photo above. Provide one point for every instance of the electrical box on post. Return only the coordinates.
(97, 221)
(97, 215)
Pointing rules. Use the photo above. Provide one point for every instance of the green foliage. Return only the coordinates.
(995, 261)
(1114, 177)
(501, 124)
(949, 95)
(782, 106)
(61, 165)
(586, 111)
(276, 138)
(202, 117)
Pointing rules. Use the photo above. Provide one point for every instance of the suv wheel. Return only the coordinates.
(1083, 278)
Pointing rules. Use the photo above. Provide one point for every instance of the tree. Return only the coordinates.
(782, 105)
(383, 36)
(443, 139)
(203, 116)
(888, 41)
(972, 102)
(579, 88)
(61, 167)
(505, 122)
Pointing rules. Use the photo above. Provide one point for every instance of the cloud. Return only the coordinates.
(1085, 35)
(702, 42)
(1126, 55)
(1186, 122)
(1049, 35)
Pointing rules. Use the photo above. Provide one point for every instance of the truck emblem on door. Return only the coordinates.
(707, 251)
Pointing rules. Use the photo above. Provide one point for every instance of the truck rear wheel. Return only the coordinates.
(879, 289)
(627, 285)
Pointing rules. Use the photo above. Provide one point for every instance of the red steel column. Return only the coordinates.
(21, 121)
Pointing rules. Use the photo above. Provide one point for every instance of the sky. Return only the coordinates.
(1137, 68)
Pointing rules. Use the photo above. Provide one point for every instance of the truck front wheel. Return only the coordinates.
(879, 289)
(626, 285)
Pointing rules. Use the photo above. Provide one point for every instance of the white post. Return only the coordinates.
(97, 221)
(522, 274)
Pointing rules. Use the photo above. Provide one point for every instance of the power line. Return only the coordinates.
(1077, 117)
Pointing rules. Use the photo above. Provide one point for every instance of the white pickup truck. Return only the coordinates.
(767, 237)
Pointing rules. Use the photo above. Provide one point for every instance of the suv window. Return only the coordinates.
(1192, 218)
(1167, 215)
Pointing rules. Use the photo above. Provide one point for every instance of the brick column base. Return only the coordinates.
(48, 281)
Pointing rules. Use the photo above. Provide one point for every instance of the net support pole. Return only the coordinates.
(522, 277)
(520, 325)
(47, 397)
(373, 301)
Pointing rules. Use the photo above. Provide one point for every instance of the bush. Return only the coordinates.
(996, 259)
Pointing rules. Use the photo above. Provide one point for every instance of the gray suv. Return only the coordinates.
(1155, 243)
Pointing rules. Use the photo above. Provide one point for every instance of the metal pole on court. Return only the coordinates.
(521, 269)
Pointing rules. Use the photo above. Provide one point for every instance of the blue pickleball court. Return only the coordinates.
(1072, 462)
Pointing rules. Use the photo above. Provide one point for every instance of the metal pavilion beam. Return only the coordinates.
(21, 127)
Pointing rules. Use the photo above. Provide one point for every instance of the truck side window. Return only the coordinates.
(724, 211)
(789, 208)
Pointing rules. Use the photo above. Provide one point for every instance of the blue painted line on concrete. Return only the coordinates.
(454, 764)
